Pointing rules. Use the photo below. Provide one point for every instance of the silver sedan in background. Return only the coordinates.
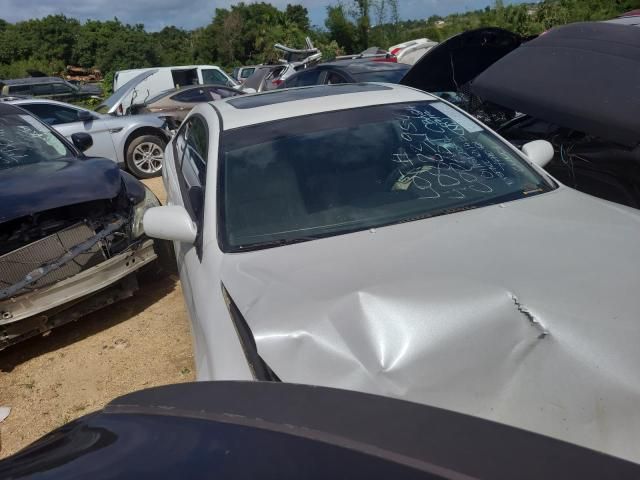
(136, 142)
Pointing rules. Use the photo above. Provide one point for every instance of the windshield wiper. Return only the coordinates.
(276, 243)
(437, 213)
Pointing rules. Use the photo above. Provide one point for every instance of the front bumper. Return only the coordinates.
(80, 285)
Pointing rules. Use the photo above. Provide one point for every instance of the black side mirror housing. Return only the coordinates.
(82, 141)
(84, 116)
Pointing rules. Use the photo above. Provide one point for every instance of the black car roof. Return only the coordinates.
(363, 65)
(32, 80)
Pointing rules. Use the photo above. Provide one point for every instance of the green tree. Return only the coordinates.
(175, 46)
(298, 15)
(340, 28)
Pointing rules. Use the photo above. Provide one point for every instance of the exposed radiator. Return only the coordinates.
(16, 265)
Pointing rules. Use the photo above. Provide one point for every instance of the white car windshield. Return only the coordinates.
(338, 172)
(24, 140)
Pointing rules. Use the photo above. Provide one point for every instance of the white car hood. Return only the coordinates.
(527, 313)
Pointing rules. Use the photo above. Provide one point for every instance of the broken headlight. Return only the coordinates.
(259, 368)
(150, 200)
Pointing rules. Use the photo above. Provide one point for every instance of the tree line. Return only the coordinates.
(245, 33)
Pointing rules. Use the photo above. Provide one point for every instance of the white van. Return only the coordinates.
(167, 78)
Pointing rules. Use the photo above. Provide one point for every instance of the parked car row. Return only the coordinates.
(134, 142)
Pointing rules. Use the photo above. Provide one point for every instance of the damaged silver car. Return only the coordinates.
(71, 236)
(376, 238)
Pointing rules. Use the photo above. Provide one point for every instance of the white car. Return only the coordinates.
(134, 142)
(376, 238)
(412, 51)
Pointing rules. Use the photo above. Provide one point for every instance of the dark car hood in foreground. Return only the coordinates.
(42, 186)
(458, 60)
(229, 430)
(583, 76)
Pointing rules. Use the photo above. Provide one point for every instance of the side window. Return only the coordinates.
(42, 89)
(20, 89)
(61, 88)
(191, 151)
(193, 95)
(214, 77)
(334, 78)
(52, 114)
(192, 144)
(219, 93)
(304, 79)
(247, 72)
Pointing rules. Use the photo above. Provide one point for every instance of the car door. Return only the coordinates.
(65, 119)
(190, 162)
(217, 348)
(187, 188)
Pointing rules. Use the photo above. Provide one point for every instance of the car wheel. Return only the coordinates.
(165, 265)
(145, 155)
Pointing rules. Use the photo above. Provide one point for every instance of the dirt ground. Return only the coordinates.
(137, 343)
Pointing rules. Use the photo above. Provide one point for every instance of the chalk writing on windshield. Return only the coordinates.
(440, 157)
(20, 144)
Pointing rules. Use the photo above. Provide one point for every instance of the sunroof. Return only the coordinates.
(303, 93)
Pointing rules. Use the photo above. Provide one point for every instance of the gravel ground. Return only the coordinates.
(137, 343)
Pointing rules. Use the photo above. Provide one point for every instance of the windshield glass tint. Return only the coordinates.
(25, 140)
(337, 172)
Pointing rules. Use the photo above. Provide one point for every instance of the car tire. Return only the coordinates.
(164, 266)
(145, 155)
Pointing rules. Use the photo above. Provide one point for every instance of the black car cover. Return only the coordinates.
(583, 76)
(458, 60)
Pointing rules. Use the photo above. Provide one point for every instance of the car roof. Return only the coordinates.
(32, 80)
(274, 105)
(362, 65)
(42, 100)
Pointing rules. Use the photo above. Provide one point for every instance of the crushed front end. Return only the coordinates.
(61, 264)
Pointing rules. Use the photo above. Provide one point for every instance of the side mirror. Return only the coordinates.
(539, 152)
(249, 90)
(82, 141)
(84, 116)
(170, 222)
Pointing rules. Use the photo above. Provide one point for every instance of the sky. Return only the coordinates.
(189, 14)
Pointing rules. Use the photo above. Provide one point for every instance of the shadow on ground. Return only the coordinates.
(150, 292)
